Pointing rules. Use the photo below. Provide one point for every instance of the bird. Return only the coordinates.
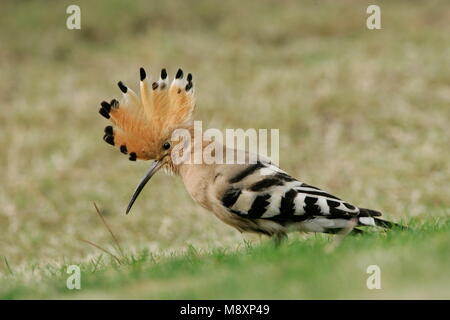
(253, 197)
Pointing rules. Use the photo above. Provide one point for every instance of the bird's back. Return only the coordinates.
(263, 194)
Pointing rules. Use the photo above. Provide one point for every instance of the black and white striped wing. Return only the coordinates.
(264, 191)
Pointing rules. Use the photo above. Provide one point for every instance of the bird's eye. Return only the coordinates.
(166, 146)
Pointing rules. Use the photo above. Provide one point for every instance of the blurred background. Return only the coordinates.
(362, 113)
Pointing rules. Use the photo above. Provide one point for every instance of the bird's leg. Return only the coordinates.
(279, 237)
(342, 235)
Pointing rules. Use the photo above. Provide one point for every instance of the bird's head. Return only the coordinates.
(143, 125)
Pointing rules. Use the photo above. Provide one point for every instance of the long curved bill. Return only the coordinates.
(153, 168)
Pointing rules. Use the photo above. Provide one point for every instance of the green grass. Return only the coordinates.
(412, 265)
(362, 114)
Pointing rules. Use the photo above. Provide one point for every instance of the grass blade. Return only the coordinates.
(109, 229)
(102, 249)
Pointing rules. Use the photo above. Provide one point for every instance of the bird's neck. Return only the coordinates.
(193, 169)
(190, 153)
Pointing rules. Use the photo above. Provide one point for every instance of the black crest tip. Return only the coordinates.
(105, 105)
(179, 74)
(163, 74)
(108, 139)
(104, 113)
(142, 74)
(109, 130)
(114, 103)
(122, 87)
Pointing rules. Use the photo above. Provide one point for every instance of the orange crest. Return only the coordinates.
(142, 124)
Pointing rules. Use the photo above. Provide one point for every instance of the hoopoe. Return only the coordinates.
(252, 197)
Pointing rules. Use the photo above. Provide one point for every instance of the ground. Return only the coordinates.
(362, 114)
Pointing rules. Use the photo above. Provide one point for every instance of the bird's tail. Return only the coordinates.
(388, 224)
(369, 217)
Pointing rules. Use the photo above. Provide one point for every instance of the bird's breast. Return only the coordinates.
(196, 180)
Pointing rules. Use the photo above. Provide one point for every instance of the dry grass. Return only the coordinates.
(363, 114)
